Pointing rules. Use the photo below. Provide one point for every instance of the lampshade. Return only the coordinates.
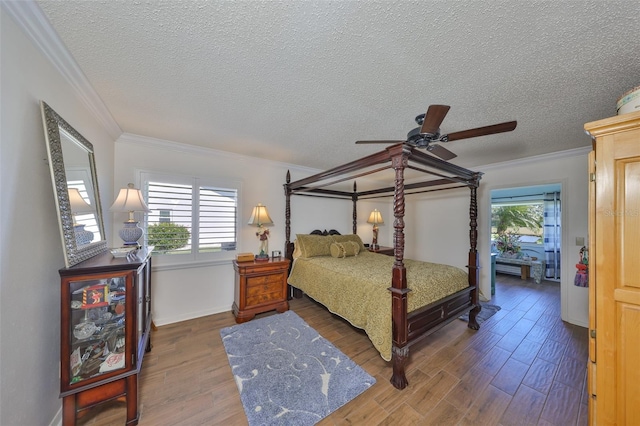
(129, 200)
(260, 216)
(375, 217)
(78, 203)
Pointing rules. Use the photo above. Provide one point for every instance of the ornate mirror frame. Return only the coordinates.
(53, 125)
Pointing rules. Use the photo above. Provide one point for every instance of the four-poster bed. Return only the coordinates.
(407, 326)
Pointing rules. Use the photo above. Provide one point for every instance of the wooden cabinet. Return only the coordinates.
(614, 271)
(105, 325)
(260, 287)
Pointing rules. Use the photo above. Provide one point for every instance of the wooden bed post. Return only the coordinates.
(288, 250)
(288, 245)
(400, 349)
(354, 197)
(474, 268)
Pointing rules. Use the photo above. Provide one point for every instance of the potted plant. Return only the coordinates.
(508, 244)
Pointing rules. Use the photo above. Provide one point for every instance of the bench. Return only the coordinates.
(527, 267)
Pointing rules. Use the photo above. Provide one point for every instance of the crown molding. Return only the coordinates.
(154, 143)
(34, 23)
(537, 158)
(150, 142)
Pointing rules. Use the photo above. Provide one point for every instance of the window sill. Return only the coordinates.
(158, 266)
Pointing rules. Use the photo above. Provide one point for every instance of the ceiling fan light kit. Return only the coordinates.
(428, 133)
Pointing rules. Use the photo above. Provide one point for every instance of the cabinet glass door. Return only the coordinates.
(97, 327)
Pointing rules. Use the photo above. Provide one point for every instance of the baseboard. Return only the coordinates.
(57, 420)
(190, 315)
(576, 322)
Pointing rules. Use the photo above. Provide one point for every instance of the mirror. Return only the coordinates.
(75, 187)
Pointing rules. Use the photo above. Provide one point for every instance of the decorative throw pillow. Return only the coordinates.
(351, 237)
(297, 252)
(346, 249)
(314, 245)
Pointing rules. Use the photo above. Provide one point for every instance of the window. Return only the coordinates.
(523, 219)
(190, 215)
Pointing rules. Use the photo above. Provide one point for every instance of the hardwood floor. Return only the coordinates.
(523, 367)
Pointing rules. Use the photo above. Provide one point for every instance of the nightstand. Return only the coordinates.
(382, 250)
(260, 287)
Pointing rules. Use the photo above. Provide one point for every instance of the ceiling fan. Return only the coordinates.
(429, 132)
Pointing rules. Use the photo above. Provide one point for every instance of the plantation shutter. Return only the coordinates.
(87, 219)
(171, 203)
(201, 214)
(217, 218)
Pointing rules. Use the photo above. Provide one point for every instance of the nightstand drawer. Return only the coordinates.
(273, 280)
(263, 286)
(263, 294)
(261, 268)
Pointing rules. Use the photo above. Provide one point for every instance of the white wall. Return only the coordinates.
(437, 227)
(444, 225)
(193, 290)
(31, 247)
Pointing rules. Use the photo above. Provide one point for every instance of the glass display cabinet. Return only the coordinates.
(106, 321)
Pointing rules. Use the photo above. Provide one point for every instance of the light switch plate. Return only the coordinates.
(579, 241)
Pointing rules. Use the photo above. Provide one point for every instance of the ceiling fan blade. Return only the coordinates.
(441, 152)
(380, 141)
(481, 131)
(434, 117)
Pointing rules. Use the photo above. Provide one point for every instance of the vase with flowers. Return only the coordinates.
(508, 245)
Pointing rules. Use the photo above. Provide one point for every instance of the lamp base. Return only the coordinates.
(131, 233)
(83, 237)
(374, 243)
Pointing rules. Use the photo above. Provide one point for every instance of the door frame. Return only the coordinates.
(485, 228)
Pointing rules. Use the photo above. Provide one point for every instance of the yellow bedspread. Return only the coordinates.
(356, 288)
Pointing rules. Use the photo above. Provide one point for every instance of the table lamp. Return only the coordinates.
(259, 218)
(130, 200)
(375, 218)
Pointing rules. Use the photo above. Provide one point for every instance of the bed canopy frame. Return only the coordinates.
(440, 175)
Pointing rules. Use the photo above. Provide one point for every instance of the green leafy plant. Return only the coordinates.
(508, 243)
(509, 219)
(166, 236)
(517, 216)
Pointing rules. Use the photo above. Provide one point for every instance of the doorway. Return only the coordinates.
(526, 223)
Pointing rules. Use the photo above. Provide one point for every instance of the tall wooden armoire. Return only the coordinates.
(614, 271)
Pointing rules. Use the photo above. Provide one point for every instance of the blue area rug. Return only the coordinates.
(287, 373)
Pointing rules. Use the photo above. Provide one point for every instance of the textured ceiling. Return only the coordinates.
(301, 81)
